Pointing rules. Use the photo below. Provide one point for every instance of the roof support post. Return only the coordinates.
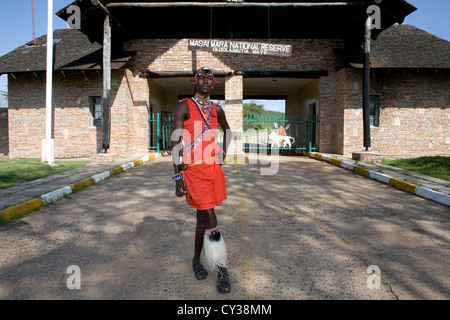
(99, 5)
(366, 82)
(106, 83)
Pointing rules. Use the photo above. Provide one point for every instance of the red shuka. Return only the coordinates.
(204, 178)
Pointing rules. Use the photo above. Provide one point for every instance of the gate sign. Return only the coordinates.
(231, 46)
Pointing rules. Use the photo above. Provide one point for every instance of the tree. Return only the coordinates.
(252, 110)
(257, 118)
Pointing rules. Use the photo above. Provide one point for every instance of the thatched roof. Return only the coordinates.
(73, 51)
(400, 46)
(405, 46)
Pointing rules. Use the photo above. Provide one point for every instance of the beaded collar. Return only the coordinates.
(202, 101)
(206, 120)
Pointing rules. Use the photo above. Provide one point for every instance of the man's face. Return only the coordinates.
(205, 81)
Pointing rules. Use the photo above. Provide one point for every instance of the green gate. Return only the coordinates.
(257, 129)
(160, 126)
(260, 128)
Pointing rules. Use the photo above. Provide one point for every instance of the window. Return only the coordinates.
(374, 111)
(96, 111)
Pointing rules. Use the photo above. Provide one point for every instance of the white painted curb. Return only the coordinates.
(56, 194)
(433, 195)
(101, 176)
(347, 165)
(64, 191)
(61, 192)
(127, 166)
(426, 193)
(380, 177)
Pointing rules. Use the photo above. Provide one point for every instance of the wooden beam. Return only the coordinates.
(176, 74)
(99, 5)
(230, 4)
(245, 73)
(366, 83)
(282, 74)
(106, 83)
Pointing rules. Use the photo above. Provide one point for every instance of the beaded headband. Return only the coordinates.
(207, 69)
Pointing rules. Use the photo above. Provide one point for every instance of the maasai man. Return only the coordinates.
(200, 177)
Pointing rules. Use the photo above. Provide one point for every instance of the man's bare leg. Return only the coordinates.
(199, 270)
(207, 220)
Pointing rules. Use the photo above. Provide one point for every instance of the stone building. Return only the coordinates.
(308, 53)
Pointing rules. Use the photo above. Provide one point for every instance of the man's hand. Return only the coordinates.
(180, 188)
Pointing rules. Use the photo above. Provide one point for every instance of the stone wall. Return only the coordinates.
(414, 112)
(4, 135)
(129, 114)
(174, 55)
(308, 55)
(73, 128)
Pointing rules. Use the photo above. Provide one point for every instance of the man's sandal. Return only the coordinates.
(199, 271)
(223, 282)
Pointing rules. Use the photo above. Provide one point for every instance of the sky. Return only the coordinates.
(16, 26)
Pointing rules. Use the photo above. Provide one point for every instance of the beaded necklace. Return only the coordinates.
(206, 127)
(205, 102)
(202, 110)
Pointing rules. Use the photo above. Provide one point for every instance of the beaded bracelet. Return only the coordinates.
(178, 176)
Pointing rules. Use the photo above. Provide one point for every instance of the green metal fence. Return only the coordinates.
(258, 129)
(160, 126)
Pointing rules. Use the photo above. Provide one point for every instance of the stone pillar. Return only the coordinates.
(234, 114)
(129, 114)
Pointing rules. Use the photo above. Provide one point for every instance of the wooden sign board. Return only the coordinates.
(232, 46)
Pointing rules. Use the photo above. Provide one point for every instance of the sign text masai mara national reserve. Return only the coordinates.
(231, 46)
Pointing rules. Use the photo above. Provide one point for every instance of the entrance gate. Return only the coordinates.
(160, 126)
(258, 130)
(287, 134)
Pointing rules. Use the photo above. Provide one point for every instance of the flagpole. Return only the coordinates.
(34, 27)
(48, 147)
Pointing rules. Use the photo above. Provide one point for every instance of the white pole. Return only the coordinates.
(48, 151)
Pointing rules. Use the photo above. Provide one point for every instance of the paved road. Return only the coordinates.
(308, 232)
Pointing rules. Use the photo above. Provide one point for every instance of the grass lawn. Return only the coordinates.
(16, 171)
(438, 166)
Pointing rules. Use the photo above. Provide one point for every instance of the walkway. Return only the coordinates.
(310, 231)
